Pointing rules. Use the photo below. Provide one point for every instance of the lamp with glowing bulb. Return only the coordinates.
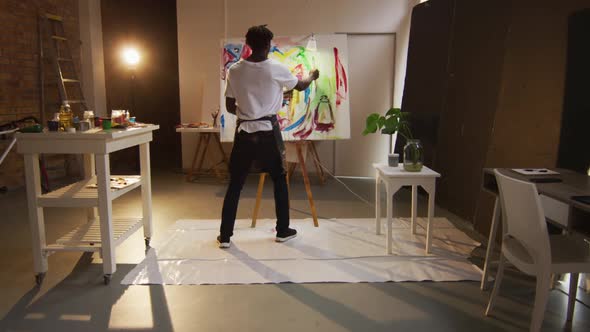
(131, 58)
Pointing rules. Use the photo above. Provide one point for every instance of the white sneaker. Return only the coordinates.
(286, 235)
(223, 244)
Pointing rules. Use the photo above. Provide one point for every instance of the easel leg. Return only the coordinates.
(258, 199)
(191, 171)
(317, 163)
(307, 186)
(202, 159)
(290, 169)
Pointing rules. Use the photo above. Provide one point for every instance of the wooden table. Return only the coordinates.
(395, 178)
(101, 232)
(559, 207)
(205, 136)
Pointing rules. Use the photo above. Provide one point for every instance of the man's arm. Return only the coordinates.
(304, 84)
(230, 105)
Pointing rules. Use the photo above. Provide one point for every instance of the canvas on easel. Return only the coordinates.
(322, 111)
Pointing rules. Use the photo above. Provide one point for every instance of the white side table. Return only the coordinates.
(395, 178)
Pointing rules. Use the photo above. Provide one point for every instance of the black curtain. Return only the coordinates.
(574, 144)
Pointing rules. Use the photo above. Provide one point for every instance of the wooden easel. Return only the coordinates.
(316, 161)
(205, 138)
(290, 169)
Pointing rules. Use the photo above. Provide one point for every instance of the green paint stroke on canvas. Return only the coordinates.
(311, 110)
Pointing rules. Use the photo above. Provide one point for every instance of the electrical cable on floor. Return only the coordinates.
(306, 213)
(345, 186)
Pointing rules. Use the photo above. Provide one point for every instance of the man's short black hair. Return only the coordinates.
(258, 37)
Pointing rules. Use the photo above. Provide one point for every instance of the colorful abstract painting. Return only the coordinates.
(321, 112)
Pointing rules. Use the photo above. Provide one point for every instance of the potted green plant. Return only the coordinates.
(394, 121)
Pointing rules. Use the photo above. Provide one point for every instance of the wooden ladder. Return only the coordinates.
(53, 39)
(61, 56)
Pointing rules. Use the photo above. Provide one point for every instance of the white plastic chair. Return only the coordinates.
(527, 244)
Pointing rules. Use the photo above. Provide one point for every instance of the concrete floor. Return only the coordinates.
(73, 298)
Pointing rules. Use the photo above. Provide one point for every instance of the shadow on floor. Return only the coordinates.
(81, 302)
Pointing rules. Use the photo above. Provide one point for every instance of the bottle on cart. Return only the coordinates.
(89, 117)
(65, 118)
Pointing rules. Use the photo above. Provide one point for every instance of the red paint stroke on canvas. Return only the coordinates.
(341, 80)
(227, 59)
(298, 71)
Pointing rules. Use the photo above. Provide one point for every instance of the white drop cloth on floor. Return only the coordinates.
(340, 250)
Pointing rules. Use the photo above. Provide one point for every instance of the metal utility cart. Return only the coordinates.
(101, 233)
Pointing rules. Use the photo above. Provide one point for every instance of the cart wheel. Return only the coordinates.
(107, 279)
(147, 242)
(39, 278)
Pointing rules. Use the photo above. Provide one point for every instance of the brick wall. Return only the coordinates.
(19, 68)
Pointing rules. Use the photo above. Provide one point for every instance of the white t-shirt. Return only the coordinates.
(258, 90)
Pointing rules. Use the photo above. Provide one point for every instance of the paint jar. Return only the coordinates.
(84, 125)
(106, 123)
(117, 116)
(53, 125)
(89, 116)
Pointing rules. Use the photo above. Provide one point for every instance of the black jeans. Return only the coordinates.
(258, 149)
